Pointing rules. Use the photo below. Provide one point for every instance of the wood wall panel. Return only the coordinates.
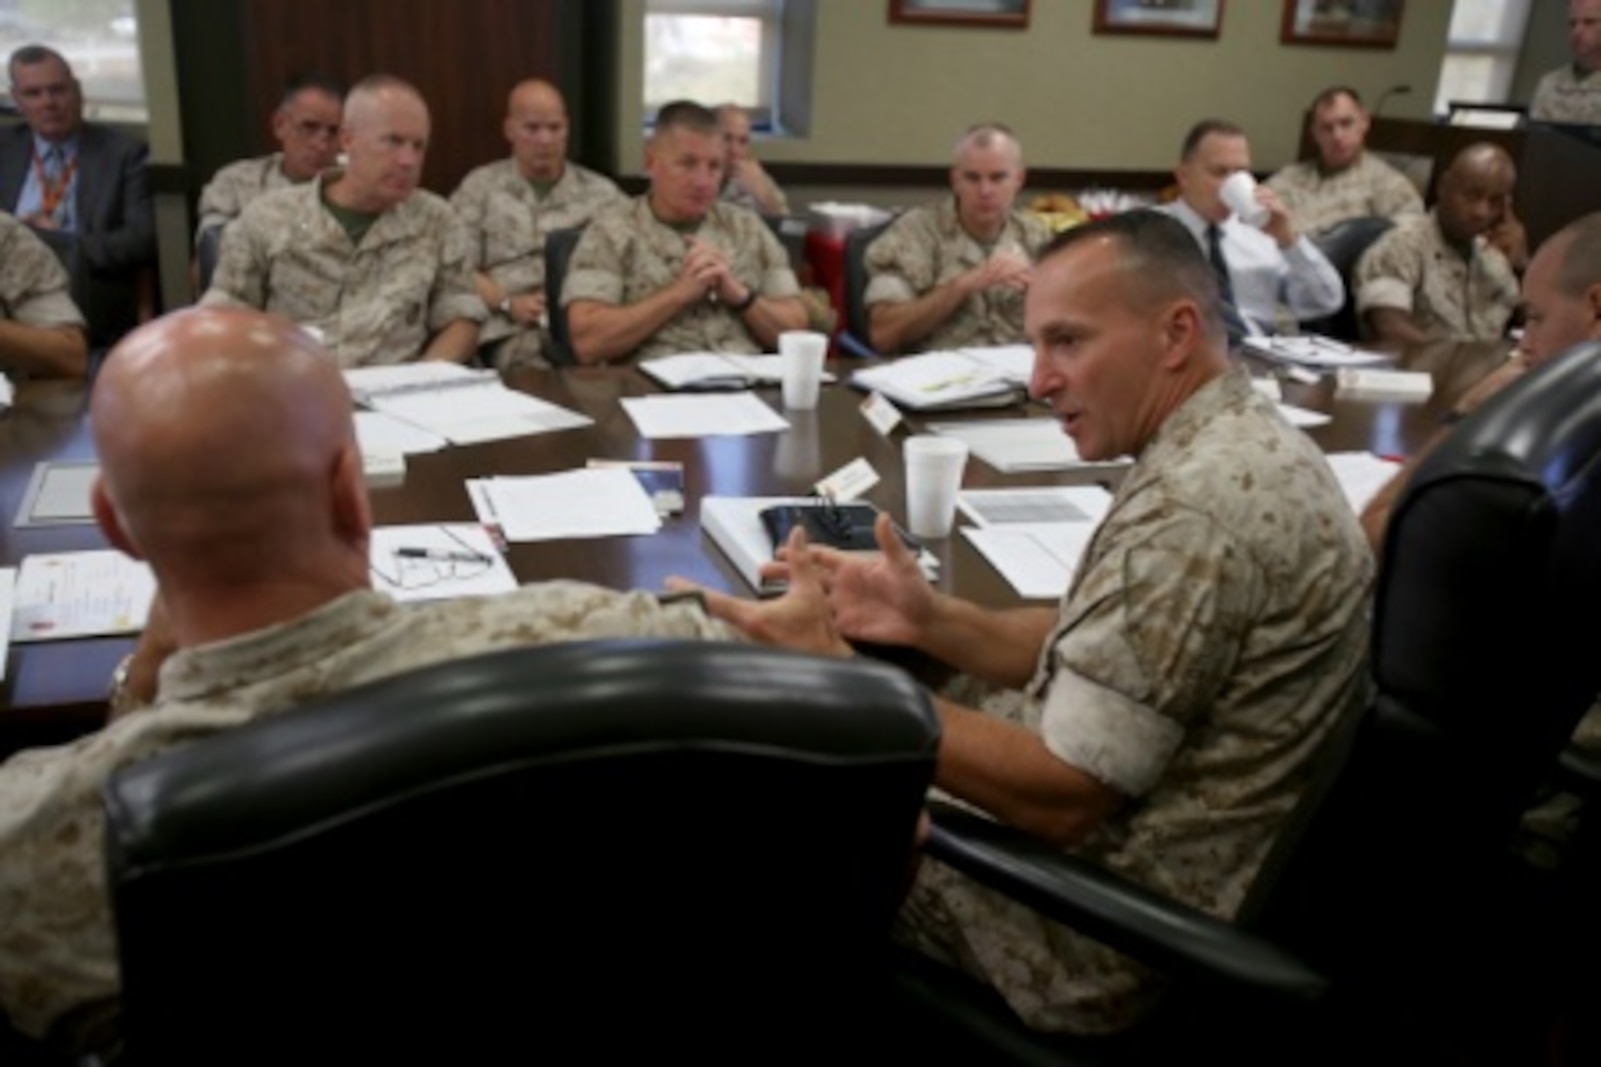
(463, 55)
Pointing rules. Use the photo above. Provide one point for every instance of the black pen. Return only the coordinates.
(442, 555)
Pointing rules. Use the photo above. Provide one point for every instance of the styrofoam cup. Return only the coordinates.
(934, 467)
(802, 353)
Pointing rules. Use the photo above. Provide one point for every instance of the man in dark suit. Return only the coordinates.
(82, 187)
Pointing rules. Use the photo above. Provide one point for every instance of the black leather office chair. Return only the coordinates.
(791, 233)
(639, 849)
(207, 248)
(855, 338)
(559, 245)
(1391, 918)
(1343, 244)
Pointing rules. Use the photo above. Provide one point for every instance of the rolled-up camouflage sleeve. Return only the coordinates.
(1147, 644)
(900, 263)
(595, 271)
(454, 294)
(240, 278)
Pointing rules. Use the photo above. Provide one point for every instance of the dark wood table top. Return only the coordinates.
(53, 690)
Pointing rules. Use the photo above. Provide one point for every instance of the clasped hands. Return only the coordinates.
(1006, 269)
(880, 597)
(705, 274)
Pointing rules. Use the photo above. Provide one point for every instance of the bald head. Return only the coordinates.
(536, 129)
(227, 451)
(1474, 191)
(1562, 291)
(385, 139)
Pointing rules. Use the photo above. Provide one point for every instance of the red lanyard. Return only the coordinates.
(52, 193)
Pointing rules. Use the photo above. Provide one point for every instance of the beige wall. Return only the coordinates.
(900, 94)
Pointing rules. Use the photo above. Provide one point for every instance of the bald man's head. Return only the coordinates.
(227, 449)
(536, 129)
(385, 139)
(1474, 191)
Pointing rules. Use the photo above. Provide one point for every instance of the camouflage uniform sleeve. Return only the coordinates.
(468, 203)
(1389, 273)
(219, 201)
(1397, 197)
(453, 295)
(33, 284)
(900, 263)
(1147, 641)
(577, 611)
(1544, 106)
(595, 271)
(778, 277)
(240, 279)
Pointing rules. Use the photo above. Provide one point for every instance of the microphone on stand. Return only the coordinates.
(1394, 90)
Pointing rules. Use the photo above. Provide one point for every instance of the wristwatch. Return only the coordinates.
(504, 307)
(745, 304)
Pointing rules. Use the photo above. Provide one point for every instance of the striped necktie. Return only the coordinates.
(1225, 286)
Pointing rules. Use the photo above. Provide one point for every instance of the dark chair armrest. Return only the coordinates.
(1163, 933)
(854, 346)
(1579, 772)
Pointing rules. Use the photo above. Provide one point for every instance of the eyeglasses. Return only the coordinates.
(313, 128)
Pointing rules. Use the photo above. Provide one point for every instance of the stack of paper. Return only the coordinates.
(736, 414)
(716, 370)
(463, 406)
(59, 494)
(1034, 536)
(1311, 350)
(980, 377)
(571, 504)
(1021, 444)
(81, 594)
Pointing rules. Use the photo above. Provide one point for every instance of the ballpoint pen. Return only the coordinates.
(442, 555)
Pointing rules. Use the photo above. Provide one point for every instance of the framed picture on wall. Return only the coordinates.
(1008, 13)
(1347, 23)
(1167, 18)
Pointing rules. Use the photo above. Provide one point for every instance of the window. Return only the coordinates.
(100, 38)
(715, 52)
(1481, 51)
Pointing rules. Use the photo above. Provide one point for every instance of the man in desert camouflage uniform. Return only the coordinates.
(306, 127)
(377, 266)
(1164, 718)
(1573, 93)
(1345, 181)
(511, 206)
(42, 333)
(953, 274)
(746, 182)
(1438, 277)
(674, 270)
(261, 558)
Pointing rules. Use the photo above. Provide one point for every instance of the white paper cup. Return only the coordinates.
(802, 353)
(1239, 195)
(934, 467)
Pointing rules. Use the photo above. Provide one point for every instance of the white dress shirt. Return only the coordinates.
(1265, 276)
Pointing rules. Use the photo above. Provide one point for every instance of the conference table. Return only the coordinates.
(55, 690)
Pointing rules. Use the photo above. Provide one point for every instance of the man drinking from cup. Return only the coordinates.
(1268, 275)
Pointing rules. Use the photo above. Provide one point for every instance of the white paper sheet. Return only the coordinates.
(381, 434)
(1037, 561)
(1035, 506)
(939, 380)
(1310, 350)
(486, 412)
(366, 383)
(579, 503)
(1020, 444)
(693, 415)
(59, 494)
(702, 370)
(460, 560)
(80, 594)
(1361, 475)
(1013, 362)
(1302, 417)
